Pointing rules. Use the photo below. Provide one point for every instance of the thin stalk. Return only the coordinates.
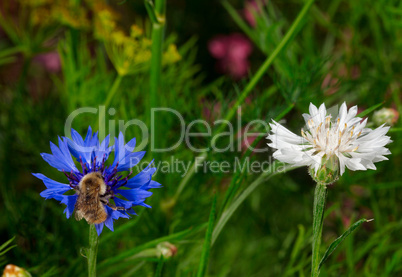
(158, 27)
(261, 71)
(251, 85)
(274, 169)
(113, 89)
(92, 251)
(189, 174)
(110, 95)
(320, 195)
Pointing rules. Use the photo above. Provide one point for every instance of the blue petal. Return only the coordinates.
(123, 203)
(99, 228)
(151, 185)
(118, 149)
(141, 178)
(61, 158)
(134, 194)
(102, 150)
(113, 215)
(130, 161)
(76, 137)
(66, 153)
(80, 148)
(130, 211)
(88, 138)
(95, 140)
(124, 154)
(70, 202)
(109, 220)
(140, 203)
(52, 186)
(76, 145)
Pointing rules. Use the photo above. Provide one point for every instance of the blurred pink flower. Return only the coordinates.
(50, 61)
(251, 8)
(211, 111)
(247, 139)
(232, 53)
(332, 80)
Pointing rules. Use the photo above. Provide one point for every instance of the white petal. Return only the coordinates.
(312, 110)
(322, 112)
(342, 114)
(342, 159)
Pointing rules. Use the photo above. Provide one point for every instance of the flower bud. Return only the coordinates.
(388, 116)
(328, 172)
(166, 249)
(15, 271)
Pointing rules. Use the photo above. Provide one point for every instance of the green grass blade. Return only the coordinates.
(207, 242)
(122, 228)
(336, 242)
(153, 243)
(236, 180)
(293, 30)
(290, 34)
(273, 170)
(158, 272)
(395, 130)
(369, 110)
(8, 249)
(4, 245)
(239, 21)
(3, 249)
(149, 5)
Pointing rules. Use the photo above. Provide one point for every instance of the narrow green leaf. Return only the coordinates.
(149, 5)
(150, 244)
(237, 179)
(8, 249)
(273, 169)
(288, 37)
(239, 21)
(336, 242)
(285, 112)
(134, 269)
(369, 110)
(159, 268)
(122, 228)
(207, 242)
(395, 130)
(4, 245)
(298, 244)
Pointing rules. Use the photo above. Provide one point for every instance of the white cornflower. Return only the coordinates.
(331, 143)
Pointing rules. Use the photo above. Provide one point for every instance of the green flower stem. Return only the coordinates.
(158, 27)
(251, 85)
(320, 196)
(92, 251)
(113, 89)
(110, 95)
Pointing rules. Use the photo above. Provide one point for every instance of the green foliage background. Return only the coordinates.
(356, 44)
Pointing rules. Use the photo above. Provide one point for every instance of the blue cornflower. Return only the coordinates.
(92, 156)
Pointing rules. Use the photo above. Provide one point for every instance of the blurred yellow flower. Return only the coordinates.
(171, 55)
(129, 53)
(71, 15)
